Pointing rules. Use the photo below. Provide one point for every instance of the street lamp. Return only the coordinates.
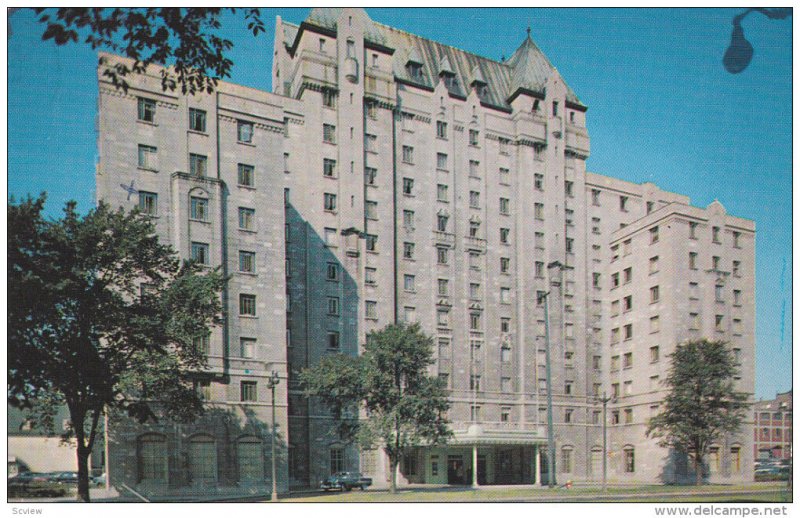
(605, 399)
(551, 445)
(272, 382)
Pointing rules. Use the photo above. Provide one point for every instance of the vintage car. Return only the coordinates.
(345, 481)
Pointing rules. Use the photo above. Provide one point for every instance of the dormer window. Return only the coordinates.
(450, 81)
(414, 70)
(483, 90)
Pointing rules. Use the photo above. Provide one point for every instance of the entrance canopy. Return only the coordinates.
(477, 435)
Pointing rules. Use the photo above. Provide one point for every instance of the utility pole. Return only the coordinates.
(272, 382)
(551, 443)
(605, 401)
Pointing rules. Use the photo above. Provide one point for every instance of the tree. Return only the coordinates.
(102, 316)
(182, 37)
(403, 406)
(702, 403)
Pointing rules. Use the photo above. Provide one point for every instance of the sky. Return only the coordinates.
(662, 109)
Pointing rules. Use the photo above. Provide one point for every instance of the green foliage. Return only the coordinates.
(702, 403)
(102, 315)
(182, 37)
(404, 406)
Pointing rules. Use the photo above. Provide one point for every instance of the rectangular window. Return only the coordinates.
(475, 321)
(505, 176)
(249, 391)
(654, 354)
(737, 297)
(474, 227)
(595, 197)
(474, 290)
(473, 168)
(443, 285)
(655, 324)
(247, 305)
(441, 223)
(333, 340)
(328, 98)
(147, 157)
(736, 237)
(505, 206)
(715, 262)
(198, 165)
(693, 260)
(654, 235)
(538, 182)
(408, 283)
(148, 203)
(474, 261)
(408, 250)
(441, 192)
(329, 168)
(246, 176)
(654, 294)
(244, 132)
(441, 161)
(370, 173)
(200, 253)
(538, 211)
(718, 323)
(442, 318)
(628, 331)
(504, 233)
(692, 230)
(474, 199)
(505, 295)
(329, 133)
(147, 110)
(247, 262)
(441, 129)
(247, 347)
(330, 236)
(371, 309)
(333, 306)
(329, 201)
(202, 344)
(247, 218)
(736, 268)
(614, 363)
(369, 276)
(568, 188)
(473, 137)
(623, 203)
(372, 243)
(408, 186)
(408, 219)
(370, 143)
(474, 382)
(654, 264)
(408, 154)
(505, 264)
(198, 209)
(568, 245)
(197, 120)
(441, 255)
(715, 235)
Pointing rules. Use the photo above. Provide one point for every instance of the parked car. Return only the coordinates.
(345, 481)
(30, 483)
(99, 480)
(64, 477)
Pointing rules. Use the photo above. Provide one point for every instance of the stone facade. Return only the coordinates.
(420, 182)
(772, 429)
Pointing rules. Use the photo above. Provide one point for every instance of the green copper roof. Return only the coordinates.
(328, 17)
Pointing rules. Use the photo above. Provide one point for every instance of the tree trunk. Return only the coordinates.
(83, 473)
(698, 470)
(393, 487)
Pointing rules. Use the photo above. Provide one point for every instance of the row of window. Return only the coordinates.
(197, 120)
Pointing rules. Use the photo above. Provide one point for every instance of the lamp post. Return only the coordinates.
(272, 382)
(551, 445)
(605, 399)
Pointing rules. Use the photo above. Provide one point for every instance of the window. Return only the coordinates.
(475, 321)
(614, 308)
(474, 290)
(246, 176)
(715, 235)
(628, 331)
(369, 175)
(474, 261)
(736, 237)
(147, 157)
(441, 161)
(654, 235)
(505, 206)
(408, 154)
(694, 320)
(197, 120)
(247, 218)
(200, 253)
(627, 303)
(538, 268)
(249, 391)
(408, 282)
(408, 219)
(538, 182)
(148, 203)
(473, 137)
(369, 276)
(443, 287)
(719, 293)
(474, 199)
(371, 143)
(505, 176)
(595, 197)
(202, 344)
(330, 237)
(474, 227)
(198, 165)
(475, 382)
(371, 309)
(408, 250)
(736, 267)
(441, 255)
(715, 262)
(475, 413)
(693, 260)
(568, 391)
(737, 297)
(650, 206)
(615, 363)
(503, 144)
(247, 262)
(692, 230)
(628, 417)
(538, 240)
(329, 98)
(718, 323)
(623, 203)
(244, 132)
(329, 201)
(614, 280)
(333, 306)
(505, 264)
(152, 458)
(329, 168)
(147, 110)
(441, 192)
(504, 232)
(441, 129)
(568, 188)
(568, 245)
(538, 211)
(408, 186)
(629, 460)
(198, 209)
(247, 305)
(247, 347)
(442, 317)
(505, 295)
(441, 223)
(333, 340)
(473, 168)
(627, 360)
(370, 209)
(654, 295)
(329, 133)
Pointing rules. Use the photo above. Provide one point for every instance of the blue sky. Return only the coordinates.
(661, 109)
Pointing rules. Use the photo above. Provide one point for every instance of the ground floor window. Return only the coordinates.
(250, 458)
(566, 459)
(152, 453)
(337, 460)
(630, 465)
(713, 459)
(597, 461)
(202, 459)
(736, 459)
(410, 463)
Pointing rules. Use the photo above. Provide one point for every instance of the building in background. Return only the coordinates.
(392, 178)
(772, 429)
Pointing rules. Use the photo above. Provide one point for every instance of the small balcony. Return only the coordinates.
(444, 238)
